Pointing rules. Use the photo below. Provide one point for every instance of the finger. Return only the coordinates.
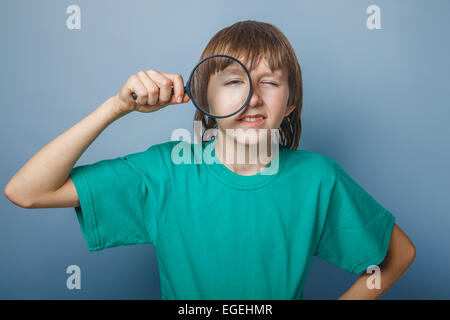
(178, 87)
(152, 88)
(135, 85)
(164, 84)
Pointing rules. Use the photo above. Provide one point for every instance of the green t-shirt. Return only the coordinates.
(220, 235)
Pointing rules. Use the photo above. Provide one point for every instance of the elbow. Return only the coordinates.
(12, 196)
(405, 247)
(413, 253)
(8, 193)
(410, 255)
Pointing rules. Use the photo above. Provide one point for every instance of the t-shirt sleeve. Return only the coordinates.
(357, 229)
(117, 206)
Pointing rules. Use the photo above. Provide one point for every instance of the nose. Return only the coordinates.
(255, 97)
(254, 101)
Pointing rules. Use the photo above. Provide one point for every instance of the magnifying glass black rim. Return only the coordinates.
(188, 87)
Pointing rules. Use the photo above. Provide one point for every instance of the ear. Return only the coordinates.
(289, 109)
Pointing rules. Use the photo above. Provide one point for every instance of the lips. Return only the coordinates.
(254, 120)
(250, 117)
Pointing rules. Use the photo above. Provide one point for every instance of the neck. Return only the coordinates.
(243, 159)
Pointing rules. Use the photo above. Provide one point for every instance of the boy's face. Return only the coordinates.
(268, 101)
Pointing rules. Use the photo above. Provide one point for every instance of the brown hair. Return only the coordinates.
(250, 41)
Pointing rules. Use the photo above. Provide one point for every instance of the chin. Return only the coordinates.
(251, 136)
(248, 140)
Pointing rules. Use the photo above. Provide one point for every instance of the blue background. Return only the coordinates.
(374, 100)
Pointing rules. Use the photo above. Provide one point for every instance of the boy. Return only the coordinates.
(222, 230)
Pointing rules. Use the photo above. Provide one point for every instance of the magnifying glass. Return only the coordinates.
(219, 86)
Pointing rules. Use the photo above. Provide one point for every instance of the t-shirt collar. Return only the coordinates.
(241, 181)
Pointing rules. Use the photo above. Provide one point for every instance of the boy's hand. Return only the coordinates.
(153, 90)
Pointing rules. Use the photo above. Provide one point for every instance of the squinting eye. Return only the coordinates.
(272, 83)
(233, 82)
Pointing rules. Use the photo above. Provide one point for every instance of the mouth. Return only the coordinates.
(252, 120)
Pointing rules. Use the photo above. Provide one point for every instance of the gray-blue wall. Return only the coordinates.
(377, 101)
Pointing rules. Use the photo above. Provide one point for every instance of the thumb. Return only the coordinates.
(185, 98)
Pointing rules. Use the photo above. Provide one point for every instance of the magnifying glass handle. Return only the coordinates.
(135, 96)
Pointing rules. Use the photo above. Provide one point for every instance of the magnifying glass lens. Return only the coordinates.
(220, 86)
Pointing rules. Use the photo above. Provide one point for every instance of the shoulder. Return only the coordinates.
(163, 149)
(310, 163)
(171, 154)
(153, 156)
(172, 151)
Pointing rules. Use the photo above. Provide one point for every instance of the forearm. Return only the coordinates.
(49, 168)
(360, 290)
(401, 253)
